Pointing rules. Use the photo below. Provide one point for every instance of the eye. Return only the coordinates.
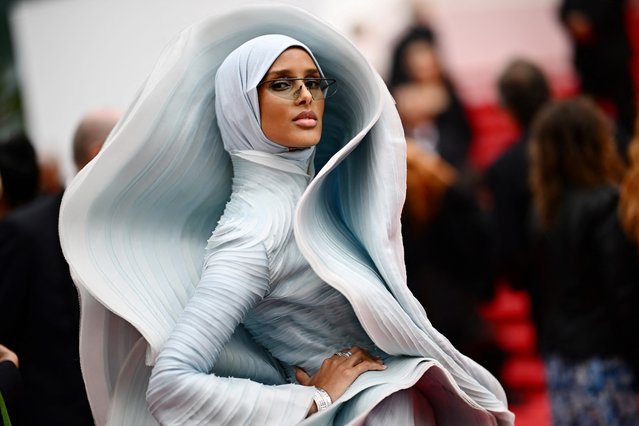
(280, 85)
(313, 84)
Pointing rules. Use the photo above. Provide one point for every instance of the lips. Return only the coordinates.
(306, 119)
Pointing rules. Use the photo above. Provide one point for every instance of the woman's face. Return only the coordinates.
(293, 123)
(421, 62)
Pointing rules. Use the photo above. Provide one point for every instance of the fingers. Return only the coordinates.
(302, 376)
(354, 356)
(7, 354)
(368, 365)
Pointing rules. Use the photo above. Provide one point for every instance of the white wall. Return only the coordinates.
(75, 55)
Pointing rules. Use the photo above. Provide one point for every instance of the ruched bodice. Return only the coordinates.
(301, 320)
(254, 274)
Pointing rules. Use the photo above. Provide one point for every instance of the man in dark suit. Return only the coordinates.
(39, 304)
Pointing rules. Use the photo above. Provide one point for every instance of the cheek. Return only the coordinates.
(273, 121)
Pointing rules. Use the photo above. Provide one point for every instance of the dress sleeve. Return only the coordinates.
(182, 389)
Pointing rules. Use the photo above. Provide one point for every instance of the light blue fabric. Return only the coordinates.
(134, 225)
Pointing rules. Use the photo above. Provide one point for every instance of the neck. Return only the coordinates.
(265, 182)
(280, 162)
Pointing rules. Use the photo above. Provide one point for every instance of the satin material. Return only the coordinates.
(134, 225)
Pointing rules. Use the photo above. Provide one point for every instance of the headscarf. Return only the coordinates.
(237, 104)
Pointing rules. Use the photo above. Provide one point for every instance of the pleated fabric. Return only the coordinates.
(134, 227)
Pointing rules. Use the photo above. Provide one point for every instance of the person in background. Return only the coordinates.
(10, 386)
(629, 213)
(629, 201)
(523, 91)
(428, 104)
(39, 307)
(588, 268)
(18, 173)
(602, 54)
(446, 238)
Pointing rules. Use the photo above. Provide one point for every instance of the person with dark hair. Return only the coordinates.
(39, 307)
(602, 54)
(18, 173)
(588, 268)
(523, 90)
(428, 104)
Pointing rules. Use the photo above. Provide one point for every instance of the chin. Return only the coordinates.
(305, 140)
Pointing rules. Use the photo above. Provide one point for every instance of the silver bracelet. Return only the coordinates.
(322, 399)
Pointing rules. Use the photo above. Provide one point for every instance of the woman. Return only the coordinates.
(269, 306)
(431, 111)
(589, 270)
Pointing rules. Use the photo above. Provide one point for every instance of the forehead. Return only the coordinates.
(419, 47)
(293, 59)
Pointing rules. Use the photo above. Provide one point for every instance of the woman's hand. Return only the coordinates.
(338, 372)
(7, 354)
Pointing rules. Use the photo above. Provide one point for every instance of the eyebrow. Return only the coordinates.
(281, 73)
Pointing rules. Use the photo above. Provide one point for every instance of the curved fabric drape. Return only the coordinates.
(135, 221)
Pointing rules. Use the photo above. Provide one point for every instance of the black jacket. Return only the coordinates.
(590, 279)
(39, 315)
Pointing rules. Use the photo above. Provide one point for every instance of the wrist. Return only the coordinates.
(322, 399)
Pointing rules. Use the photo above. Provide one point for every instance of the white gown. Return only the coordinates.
(133, 228)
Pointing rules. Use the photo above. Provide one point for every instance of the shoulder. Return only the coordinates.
(246, 225)
(589, 211)
(592, 202)
(40, 213)
(513, 158)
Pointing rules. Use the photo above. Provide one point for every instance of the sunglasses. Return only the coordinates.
(290, 88)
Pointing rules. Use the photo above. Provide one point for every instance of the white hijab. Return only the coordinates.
(237, 104)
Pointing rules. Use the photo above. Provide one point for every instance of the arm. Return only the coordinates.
(181, 389)
(10, 380)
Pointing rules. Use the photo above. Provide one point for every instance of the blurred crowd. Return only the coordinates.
(555, 215)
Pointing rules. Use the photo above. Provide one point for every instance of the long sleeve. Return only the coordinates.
(182, 389)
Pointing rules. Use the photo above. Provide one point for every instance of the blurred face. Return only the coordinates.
(421, 62)
(293, 123)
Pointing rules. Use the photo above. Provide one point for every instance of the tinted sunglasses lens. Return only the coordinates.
(290, 89)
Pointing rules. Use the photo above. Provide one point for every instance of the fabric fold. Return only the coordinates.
(134, 226)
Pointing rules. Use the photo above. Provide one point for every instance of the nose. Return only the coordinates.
(304, 96)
